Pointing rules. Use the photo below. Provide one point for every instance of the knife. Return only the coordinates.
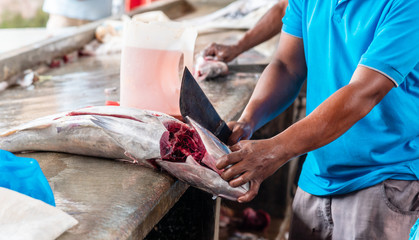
(195, 104)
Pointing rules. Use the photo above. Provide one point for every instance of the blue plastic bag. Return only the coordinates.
(24, 175)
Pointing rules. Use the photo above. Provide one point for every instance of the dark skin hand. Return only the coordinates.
(267, 27)
(256, 160)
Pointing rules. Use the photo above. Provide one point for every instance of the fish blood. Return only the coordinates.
(179, 142)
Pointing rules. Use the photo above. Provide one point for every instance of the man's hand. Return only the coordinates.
(267, 27)
(240, 131)
(252, 161)
(220, 52)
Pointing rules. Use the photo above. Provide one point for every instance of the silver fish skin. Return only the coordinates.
(202, 178)
(141, 141)
(74, 132)
(76, 135)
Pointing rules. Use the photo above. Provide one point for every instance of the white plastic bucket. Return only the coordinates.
(153, 58)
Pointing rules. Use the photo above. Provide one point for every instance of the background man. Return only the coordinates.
(267, 27)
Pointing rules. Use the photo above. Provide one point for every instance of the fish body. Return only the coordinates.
(76, 135)
(74, 132)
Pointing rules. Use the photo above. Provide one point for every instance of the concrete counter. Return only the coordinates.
(111, 200)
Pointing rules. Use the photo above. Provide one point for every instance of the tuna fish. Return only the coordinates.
(153, 139)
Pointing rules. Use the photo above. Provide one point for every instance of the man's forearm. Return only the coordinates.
(267, 27)
(275, 91)
(279, 84)
(336, 114)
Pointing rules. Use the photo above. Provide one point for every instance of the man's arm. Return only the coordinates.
(254, 161)
(267, 27)
(276, 89)
(338, 113)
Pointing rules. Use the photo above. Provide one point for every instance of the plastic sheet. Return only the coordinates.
(24, 175)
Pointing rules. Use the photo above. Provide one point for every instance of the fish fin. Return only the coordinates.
(103, 123)
(112, 128)
(8, 133)
(191, 160)
(13, 131)
(140, 140)
(113, 124)
(134, 160)
(146, 163)
(125, 160)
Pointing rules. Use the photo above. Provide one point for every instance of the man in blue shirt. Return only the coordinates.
(360, 179)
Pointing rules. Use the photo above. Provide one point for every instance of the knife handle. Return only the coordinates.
(223, 132)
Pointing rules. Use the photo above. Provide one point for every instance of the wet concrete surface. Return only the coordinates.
(110, 200)
(75, 85)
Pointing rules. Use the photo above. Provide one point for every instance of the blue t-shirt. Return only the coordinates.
(382, 35)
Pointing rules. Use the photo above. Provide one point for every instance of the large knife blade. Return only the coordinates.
(195, 104)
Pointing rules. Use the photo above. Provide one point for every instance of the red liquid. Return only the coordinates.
(150, 79)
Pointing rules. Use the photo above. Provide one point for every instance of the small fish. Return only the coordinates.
(207, 67)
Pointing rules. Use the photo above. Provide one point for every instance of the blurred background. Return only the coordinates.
(22, 14)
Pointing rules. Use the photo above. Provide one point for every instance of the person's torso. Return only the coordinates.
(385, 143)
